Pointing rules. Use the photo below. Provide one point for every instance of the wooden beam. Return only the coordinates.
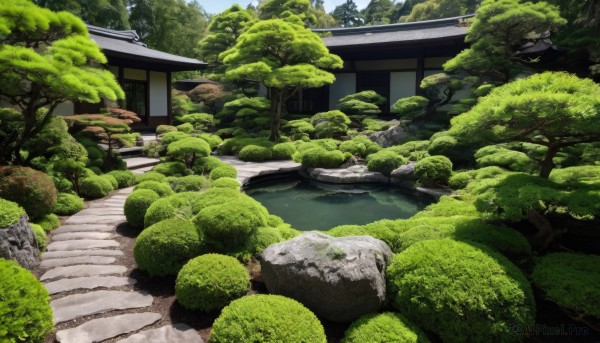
(147, 105)
(169, 100)
(420, 72)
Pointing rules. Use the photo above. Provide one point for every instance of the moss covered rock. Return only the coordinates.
(10, 212)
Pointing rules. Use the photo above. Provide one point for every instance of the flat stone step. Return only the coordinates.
(112, 219)
(83, 270)
(83, 228)
(49, 255)
(82, 235)
(71, 261)
(88, 282)
(97, 330)
(81, 305)
(177, 333)
(81, 244)
(102, 211)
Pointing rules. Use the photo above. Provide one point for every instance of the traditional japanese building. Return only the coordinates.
(143, 73)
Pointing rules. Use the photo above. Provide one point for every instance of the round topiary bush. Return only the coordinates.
(190, 183)
(31, 189)
(387, 327)
(207, 164)
(172, 169)
(571, 281)
(162, 129)
(150, 176)
(10, 212)
(68, 204)
(284, 151)
(223, 171)
(49, 222)
(433, 169)
(255, 153)
(177, 205)
(267, 318)
(188, 150)
(163, 189)
(25, 313)
(321, 158)
(113, 181)
(356, 148)
(384, 162)
(95, 187)
(226, 182)
(136, 206)
(478, 295)
(40, 236)
(210, 282)
(125, 178)
(163, 248)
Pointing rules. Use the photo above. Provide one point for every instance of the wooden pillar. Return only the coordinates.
(147, 104)
(169, 100)
(420, 72)
(120, 80)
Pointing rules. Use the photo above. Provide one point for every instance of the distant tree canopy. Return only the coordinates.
(111, 14)
(377, 12)
(438, 9)
(273, 9)
(347, 14)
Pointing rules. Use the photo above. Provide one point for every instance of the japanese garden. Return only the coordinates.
(299, 171)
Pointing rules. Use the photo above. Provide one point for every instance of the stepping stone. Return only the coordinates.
(82, 270)
(102, 211)
(81, 305)
(81, 244)
(97, 330)
(178, 333)
(112, 219)
(90, 282)
(82, 235)
(71, 261)
(73, 253)
(83, 227)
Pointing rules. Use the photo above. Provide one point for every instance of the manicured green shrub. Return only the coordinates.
(409, 148)
(137, 204)
(172, 169)
(255, 153)
(266, 319)
(171, 137)
(95, 187)
(188, 150)
(150, 176)
(223, 171)
(68, 204)
(185, 128)
(386, 327)
(443, 145)
(162, 129)
(163, 189)
(298, 129)
(384, 162)
(210, 282)
(274, 220)
(163, 248)
(331, 124)
(321, 158)
(411, 107)
(40, 236)
(226, 182)
(261, 238)
(205, 165)
(233, 145)
(31, 189)
(49, 222)
(125, 178)
(326, 143)
(433, 169)
(190, 183)
(177, 205)
(25, 313)
(479, 295)
(505, 158)
(10, 212)
(113, 181)
(573, 175)
(571, 281)
(212, 140)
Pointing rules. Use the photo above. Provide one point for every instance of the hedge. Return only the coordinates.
(387, 327)
(68, 204)
(136, 206)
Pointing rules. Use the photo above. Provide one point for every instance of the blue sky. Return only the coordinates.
(218, 6)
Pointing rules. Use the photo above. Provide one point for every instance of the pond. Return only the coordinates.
(311, 205)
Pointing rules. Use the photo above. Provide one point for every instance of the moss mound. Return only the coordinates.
(40, 236)
(163, 189)
(321, 158)
(223, 171)
(284, 151)
(172, 169)
(433, 169)
(226, 182)
(266, 319)
(150, 176)
(136, 206)
(384, 162)
(387, 327)
(255, 153)
(68, 204)
(10, 212)
(190, 183)
(49, 222)
(95, 187)
(125, 178)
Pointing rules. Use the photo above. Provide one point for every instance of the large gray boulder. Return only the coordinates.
(392, 136)
(340, 279)
(18, 243)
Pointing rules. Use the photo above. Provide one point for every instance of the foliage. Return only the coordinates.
(209, 94)
(223, 171)
(178, 205)
(226, 182)
(67, 204)
(40, 236)
(284, 151)
(207, 164)
(272, 9)
(190, 183)
(150, 176)
(10, 212)
(409, 149)
(210, 282)
(568, 280)
(347, 14)
(137, 204)
(255, 153)
(165, 247)
(25, 313)
(113, 182)
(359, 107)
(384, 162)
(49, 222)
(95, 187)
(172, 168)
(247, 113)
(299, 128)
(505, 158)
(163, 189)
(443, 145)
(267, 318)
(125, 178)
(162, 129)
(411, 107)
(111, 14)
(63, 66)
(188, 150)
(331, 124)
(199, 121)
(321, 158)
(386, 327)
(235, 144)
(260, 239)
(31, 189)
(185, 128)
(470, 282)
(433, 169)
(377, 12)
(439, 9)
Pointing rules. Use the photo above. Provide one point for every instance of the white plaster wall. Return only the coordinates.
(402, 85)
(158, 94)
(134, 74)
(344, 84)
(410, 63)
(65, 109)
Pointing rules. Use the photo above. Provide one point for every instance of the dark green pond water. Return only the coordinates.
(310, 205)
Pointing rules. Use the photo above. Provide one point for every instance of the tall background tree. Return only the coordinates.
(438, 9)
(111, 14)
(347, 14)
(377, 12)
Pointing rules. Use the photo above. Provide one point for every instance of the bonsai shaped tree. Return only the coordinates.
(46, 58)
(284, 56)
(208, 94)
(362, 103)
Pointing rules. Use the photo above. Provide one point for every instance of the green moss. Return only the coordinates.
(571, 281)
(165, 247)
(284, 151)
(384, 162)
(233, 145)
(321, 158)
(25, 313)
(185, 128)
(439, 283)
(172, 169)
(212, 140)
(137, 204)
(331, 124)
(255, 153)
(171, 137)
(505, 158)
(10, 213)
(95, 187)
(49, 222)
(210, 282)
(40, 236)
(433, 169)
(125, 178)
(187, 151)
(574, 175)
(267, 319)
(408, 148)
(177, 205)
(163, 189)
(443, 145)
(387, 327)
(226, 182)
(223, 171)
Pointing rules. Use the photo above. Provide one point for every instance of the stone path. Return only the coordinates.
(82, 273)
(248, 170)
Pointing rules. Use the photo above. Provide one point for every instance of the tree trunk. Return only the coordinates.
(276, 103)
(546, 233)
(547, 164)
